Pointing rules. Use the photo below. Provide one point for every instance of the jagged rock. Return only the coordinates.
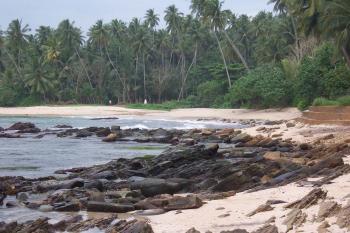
(67, 207)
(295, 218)
(261, 128)
(8, 135)
(180, 203)
(55, 185)
(2, 198)
(95, 206)
(103, 132)
(261, 208)
(21, 126)
(323, 227)
(83, 133)
(30, 130)
(232, 182)
(343, 220)
(100, 223)
(273, 155)
(236, 231)
(63, 127)
(267, 229)
(111, 138)
(328, 209)
(310, 199)
(241, 138)
(290, 124)
(150, 212)
(151, 186)
(305, 146)
(193, 230)
(94, 184)
(134, 226)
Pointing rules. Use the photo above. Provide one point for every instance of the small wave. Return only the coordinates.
(140, 126)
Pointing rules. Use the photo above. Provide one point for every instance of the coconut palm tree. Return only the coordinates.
(337, 24)
(151, 19)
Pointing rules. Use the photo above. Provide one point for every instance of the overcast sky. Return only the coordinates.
(87, 12)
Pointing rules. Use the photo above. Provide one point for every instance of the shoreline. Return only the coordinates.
(190, 113)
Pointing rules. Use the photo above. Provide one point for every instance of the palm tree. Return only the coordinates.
(141, 46)
(17, 38)
(336, 23)
(210, 13)
(38, 78)
(151, 19)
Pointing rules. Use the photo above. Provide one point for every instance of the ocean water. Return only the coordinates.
(31, 157)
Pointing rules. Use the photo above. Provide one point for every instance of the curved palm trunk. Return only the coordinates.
(188, 71)
(236, 51)
(117, 73)
(223, 58)
(84, 67)
(346, 55)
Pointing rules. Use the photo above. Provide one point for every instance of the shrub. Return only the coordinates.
(344, 100)
(7, 97)
(211, 93)
(324, 102)
(263, 87)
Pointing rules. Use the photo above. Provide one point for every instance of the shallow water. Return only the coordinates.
(31, 157)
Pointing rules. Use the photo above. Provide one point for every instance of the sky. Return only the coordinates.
(86, 12)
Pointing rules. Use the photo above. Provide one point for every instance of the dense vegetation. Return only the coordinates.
(210, 58)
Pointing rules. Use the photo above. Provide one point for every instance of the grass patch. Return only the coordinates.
(167, 106)
(325, 102)
(341, 101)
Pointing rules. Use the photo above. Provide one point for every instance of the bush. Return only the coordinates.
(324, 102)
(344, 101)
(7, 97)
(337, 81)
(263, 87)
(30, 101)
(167, 106)
(211, 93)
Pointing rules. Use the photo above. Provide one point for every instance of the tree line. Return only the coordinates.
(211, 57)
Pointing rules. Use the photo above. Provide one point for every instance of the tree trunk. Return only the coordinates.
(223, 58)
(346, 55)
(144, 76)
(194, 60)
(237, 51)
(83, 65)
(135, 81)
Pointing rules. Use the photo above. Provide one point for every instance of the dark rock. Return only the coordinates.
(63, 127)
(151, 186)
(232, 182)
(103, 132)
(11, 204)
(108, 207)
(115, 128)
(83, 133)
(134, 226)
(7, 135)
(22, 197)
(180, 203)
(94, 184)
(305, 146)
(108, 175)
(193, 230)
(55, 185)
(310, 199)
(243, 137)
(67, 207)
(21, 126)
(290, 124)
(30, 130)
(267, 229)
(2, 129)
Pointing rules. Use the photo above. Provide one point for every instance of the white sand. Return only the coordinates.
(192, 113)
(206, 218)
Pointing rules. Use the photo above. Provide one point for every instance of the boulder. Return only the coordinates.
(22, 196)
(232, 182)
(67, 207)
(83, 133)
(21, 126)
(193, 230)
(153, 186)
(241, 138)
(96, 206)
(103, 132)
(310, 199)
(180, 203)
(134, 226)
(273, 155)
(328, 209)
(94, 184)
(343, 220)
(30, 130)
(63, 127)
(46, 186)
(290, 124)
(111, 138)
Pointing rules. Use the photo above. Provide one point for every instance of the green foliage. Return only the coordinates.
(324, 102)
(31, 100)
(167, 106)
(344, 101)
(211, 93)
(302, 105)
(7, 97)
(264, 87)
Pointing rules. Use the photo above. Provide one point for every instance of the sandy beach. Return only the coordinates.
(191, 113)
